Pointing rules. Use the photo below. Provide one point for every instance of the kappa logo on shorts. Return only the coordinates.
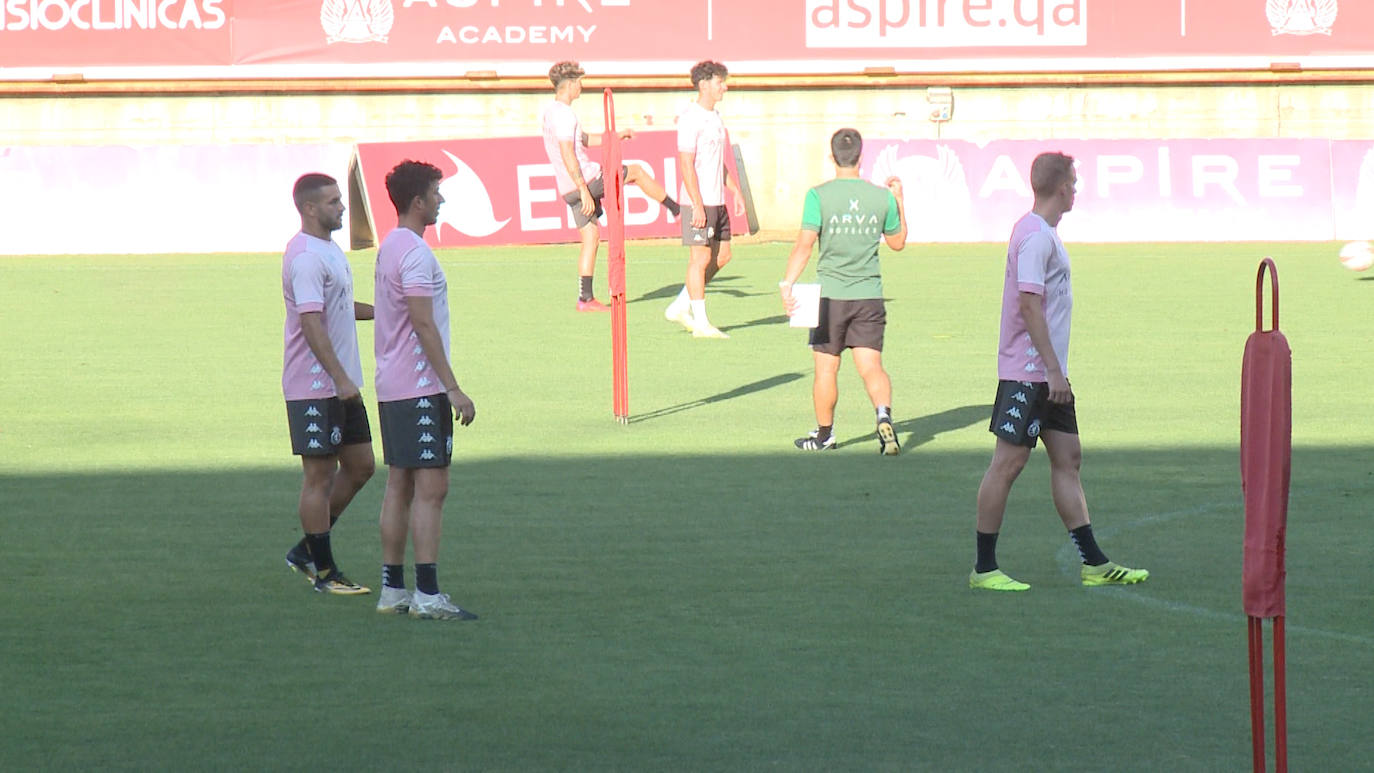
(314, 444)
(313, 428)
(427, 455)
(425, 421)
(425, 437)
(1008, 427)
(1034, 429)
(423, 403)
(312, 411)
(1020, 397)
(1014, 412)
(336, 436)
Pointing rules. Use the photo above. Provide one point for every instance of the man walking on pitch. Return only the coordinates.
(579, 179)
(321, 372)
(1034, 397)
(848, 216)
(418, 396)
(701, 146)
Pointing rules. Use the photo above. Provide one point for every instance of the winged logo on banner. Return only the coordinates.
(1301, 17)
(356, 21)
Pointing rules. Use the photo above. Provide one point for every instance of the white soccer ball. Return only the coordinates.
(1357, 256)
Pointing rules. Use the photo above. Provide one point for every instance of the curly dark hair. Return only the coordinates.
(705, 71)
(409, 180)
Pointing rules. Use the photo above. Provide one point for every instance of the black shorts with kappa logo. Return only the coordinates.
(417, 431)
(319, 426)
(716, 229)
(845, 324)
(1022, 411)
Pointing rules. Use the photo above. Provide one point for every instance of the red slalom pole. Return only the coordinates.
(1266, 452)
(615, 260)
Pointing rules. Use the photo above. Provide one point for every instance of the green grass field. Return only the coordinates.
(687, 592)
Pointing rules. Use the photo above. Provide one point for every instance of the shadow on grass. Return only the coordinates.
(756, 322)
(740, 391)
(781, 605)
(923, 429)
(717, 286)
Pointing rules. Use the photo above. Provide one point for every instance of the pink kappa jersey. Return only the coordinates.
(406, 268)
(1036, 263)
(701, 131)
(315, 276)
(562, 125)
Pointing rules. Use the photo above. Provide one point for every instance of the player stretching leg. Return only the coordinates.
(580, 181)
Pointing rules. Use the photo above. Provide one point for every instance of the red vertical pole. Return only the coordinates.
(1256, 632)
(615, 260)
(1280, 700)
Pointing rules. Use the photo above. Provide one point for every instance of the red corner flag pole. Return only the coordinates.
(615, 260)
(1266, 450)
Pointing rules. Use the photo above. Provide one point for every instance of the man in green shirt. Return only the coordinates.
(849, 217)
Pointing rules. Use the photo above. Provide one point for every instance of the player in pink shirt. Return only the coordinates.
(579, 178)
(701, 149)
(417, 393)
(321, 374)
(1034, 398)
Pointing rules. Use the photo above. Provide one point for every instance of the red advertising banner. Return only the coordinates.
(1137, 190)
(502, 191)
(632, 37)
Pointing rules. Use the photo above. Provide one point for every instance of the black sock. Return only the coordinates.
(884, 413)
(584, 288)
(672, 206)
(823, 433)
(1088, 550)
(320, 553)
(304, 547)
(427, 578)
(394, 576)
(987, 552)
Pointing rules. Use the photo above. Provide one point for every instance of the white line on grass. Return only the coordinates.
(1067, 558)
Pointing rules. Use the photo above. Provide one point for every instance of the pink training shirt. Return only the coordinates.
(315, 276)
(406, 268)
(702, 132)
(1036, 263)
(561, 124)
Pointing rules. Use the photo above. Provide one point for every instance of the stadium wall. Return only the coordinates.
(783, 131)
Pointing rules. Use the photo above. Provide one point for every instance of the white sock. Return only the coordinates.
(699, 312)
(681, 300)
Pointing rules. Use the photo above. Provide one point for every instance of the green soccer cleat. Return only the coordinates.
(995, 580)
(1112, 573)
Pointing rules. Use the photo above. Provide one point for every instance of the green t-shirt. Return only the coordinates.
(851, 216)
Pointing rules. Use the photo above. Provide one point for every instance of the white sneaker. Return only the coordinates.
(707, 331)
(437, 606)
(679, 314)
(394, 601)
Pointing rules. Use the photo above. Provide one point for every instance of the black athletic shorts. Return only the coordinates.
(597, 188)
(1023, 410)
(847, 324)
(417, 431)
(717, 228)
(318, 427)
